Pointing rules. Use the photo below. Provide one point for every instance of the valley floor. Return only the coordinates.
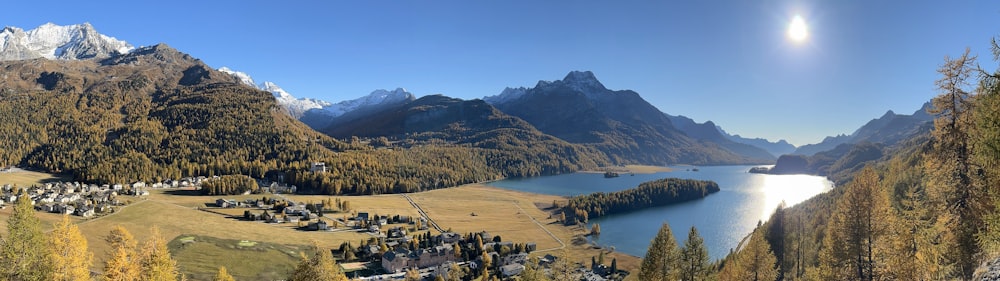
(515, 216)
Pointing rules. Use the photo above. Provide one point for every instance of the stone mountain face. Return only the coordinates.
(710, 132)
(50, 41)
(888, 130)
(579, 109)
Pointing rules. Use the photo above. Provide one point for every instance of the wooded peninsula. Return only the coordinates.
(649, 194)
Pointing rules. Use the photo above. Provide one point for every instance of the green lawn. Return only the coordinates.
(199, 257)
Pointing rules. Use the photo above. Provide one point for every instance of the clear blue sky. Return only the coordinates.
(726, 61)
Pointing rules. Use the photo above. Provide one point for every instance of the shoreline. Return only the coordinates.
(526, 193)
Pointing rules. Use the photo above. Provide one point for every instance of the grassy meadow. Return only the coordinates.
(23, 178)
(204, 237)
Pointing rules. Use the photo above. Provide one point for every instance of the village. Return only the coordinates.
(85, 200)
(398, 245)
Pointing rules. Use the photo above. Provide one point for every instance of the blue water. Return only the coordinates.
(722, 218)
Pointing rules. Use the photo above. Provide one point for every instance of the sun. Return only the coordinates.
(797, 29)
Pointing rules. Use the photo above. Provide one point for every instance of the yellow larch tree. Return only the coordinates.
(155, 259)
(123, 263)
(68, 254)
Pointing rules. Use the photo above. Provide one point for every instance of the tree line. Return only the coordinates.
(661, 192)
(143, 126)
(926, 211)
(229, 185)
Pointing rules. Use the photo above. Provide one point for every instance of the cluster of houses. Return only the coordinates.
(85, 200)
(280, 211)
(74, 198)
(442, 253)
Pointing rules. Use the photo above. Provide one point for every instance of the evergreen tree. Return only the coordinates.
(694, 257)
(24, 256)
(69, 257)
(155, 259)
(662, 260)
(223, 275)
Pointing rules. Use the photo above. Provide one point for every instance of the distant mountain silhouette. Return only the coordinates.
(579, 109)
(710, 132)
(887, 130)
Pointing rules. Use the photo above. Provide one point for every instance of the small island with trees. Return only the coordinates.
(662, 192)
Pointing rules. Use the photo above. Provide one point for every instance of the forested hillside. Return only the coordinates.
(926, 211)
(619, 123)
(156, 113)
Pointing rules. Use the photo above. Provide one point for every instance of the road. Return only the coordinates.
(561, 244)
(422, 213)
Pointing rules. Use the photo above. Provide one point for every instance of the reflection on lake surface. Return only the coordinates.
(722, 218)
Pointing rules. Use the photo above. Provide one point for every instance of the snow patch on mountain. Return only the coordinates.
(375, 98)
(581, 81)
(296, 107)
(508, 94)
(51, 41)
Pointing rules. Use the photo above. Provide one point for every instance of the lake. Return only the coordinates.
(722, 218)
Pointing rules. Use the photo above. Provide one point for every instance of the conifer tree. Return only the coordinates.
(155, 259)
(321, 267)
(662, 260)
(412, 275)
(123, 263)
(694, 257)
(223, 275)
(455, 273)
(24, 256)
(949, 165)
(755, 262)
(986, 142)
(69, 257)
(856, 243)
(533, 272)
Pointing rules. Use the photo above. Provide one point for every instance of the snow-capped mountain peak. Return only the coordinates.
(51, 41)
(242, 76)
(375, 98)
(296, 107)
(278, 92)
(508, 94)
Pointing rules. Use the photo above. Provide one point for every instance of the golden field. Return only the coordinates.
(515, 216)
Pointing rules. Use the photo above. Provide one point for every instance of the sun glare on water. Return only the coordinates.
(797, 29)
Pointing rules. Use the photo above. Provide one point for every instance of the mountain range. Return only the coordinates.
(888, 129)
(577, 110)
(50, 41)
